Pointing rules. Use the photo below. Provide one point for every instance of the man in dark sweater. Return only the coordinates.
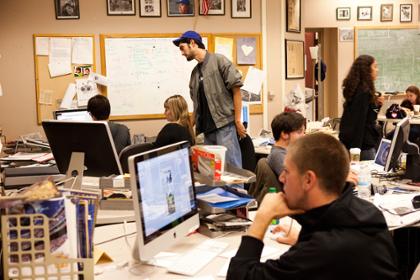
(342, 236)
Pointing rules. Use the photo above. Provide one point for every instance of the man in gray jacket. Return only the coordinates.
(215, 91)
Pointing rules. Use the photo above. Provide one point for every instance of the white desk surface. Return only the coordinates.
(119, 251)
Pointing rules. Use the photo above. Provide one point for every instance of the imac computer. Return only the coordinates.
(72, 115)
(82, 148)
(401, 143)
(164, 198)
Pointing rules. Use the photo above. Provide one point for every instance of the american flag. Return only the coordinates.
(205, 7)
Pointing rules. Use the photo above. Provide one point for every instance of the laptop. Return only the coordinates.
(381, 155)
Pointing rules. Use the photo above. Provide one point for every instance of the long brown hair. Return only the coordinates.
(416, 91)
(179, 109)
(359, 78)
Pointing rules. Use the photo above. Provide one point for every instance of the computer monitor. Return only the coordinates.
(72, 115)
(164, 198)
(402, 130)
(82, 148)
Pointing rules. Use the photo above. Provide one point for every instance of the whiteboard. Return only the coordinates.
(142, 73)
(397, 53)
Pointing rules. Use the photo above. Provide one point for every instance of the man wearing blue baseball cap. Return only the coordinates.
(215, 91)
(184, 6)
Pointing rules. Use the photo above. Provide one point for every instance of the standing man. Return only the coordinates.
(342, 236)
(215, 91)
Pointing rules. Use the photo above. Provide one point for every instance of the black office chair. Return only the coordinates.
(249, 161)
(132, 150)
(265, 179)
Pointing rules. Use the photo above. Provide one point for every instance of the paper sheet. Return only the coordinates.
(85, 89)
(253, 80)
(67, 101)
(82, 50)
(45, 97)
(41, 45)
(224, 46)
(98, 78)
(59, 56)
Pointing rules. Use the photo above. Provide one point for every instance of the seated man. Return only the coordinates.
(99, 108)
(286, 128)
(342, 236)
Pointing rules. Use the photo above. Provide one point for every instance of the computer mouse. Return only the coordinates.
(416, 201)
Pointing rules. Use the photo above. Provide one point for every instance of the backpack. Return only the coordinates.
(395, 112)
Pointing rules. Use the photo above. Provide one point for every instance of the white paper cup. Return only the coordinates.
(355, 154)
(416, 109)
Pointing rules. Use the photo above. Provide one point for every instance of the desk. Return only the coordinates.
(119, 251)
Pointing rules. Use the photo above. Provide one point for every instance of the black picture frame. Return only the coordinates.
(295, 59)
(343, 13)
(175, 10)
(121, 7)
(67, 9)
(150, 8)
(364, 13)
(241, 9)
(293, 16)
(406, 13)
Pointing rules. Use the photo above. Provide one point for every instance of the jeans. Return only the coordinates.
(368, 154)
(226, 136)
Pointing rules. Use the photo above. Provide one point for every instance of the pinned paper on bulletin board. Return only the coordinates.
(85, 89)
(246, 51)
(251, 90)
(224, 46)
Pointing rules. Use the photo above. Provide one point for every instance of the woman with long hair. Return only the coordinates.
(179, 127)
(412, 94)
(358, 128)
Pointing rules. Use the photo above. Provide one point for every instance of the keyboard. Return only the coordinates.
(196, 259)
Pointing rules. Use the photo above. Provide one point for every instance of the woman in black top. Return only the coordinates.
(179, 127)
(358, 122)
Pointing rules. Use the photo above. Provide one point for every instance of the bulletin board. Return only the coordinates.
(50, 90)
(244, 65)
(145, 69)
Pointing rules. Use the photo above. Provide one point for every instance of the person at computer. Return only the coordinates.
(179, 127)
(412, 94)
(358, 126)
(342, 236)
(215, 91)
(99, 108)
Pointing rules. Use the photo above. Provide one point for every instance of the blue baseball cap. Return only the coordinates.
(186, 2)
(190, 35)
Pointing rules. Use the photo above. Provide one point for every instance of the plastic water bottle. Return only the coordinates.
(273, 190)
(364, 182)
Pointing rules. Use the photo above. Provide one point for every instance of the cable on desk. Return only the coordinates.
(115, 238)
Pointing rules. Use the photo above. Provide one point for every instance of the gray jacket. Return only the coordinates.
(219, 77)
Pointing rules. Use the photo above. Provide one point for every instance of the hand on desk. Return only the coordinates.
(290, 235)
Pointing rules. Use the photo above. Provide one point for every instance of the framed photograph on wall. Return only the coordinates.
(213, 7)
(406, 12)
(346, 34)
(150, 8)
(293, 16)
(180, 8)
(295, 60)
(364, 13)
(343, 13)
(67, 9)
(121, 7)
(241, 9)
(387, 12)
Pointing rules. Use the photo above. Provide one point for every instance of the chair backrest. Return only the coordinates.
(132, 150)
(249, 161)
(265, 178)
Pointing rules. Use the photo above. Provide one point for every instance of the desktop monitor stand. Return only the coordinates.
(75, 170)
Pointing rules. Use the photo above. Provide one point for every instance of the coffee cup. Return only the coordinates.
(416, 109)
(355, 154)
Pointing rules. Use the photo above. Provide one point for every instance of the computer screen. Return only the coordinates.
(93, 139)
(401, 133)
(383, 151)
(72, 115)
(164, 198)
